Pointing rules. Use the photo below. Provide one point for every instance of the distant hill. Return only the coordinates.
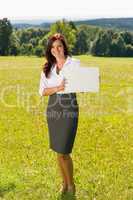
(40, 23)
(118, 23)
(25, 25)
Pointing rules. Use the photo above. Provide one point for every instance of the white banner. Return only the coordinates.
(81, 79)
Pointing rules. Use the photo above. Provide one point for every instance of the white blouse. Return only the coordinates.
(56, 79)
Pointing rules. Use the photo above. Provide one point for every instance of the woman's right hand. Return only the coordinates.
(61, 86)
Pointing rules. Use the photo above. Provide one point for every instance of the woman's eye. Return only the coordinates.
(56, 47)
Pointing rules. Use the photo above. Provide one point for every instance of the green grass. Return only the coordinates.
(103, 149)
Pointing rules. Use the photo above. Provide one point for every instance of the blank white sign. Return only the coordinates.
(81, 79)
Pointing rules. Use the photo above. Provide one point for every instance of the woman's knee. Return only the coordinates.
(63, 156)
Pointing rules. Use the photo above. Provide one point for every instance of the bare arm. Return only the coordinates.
(52, 90)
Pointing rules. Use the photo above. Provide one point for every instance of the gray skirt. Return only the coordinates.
(62, 117)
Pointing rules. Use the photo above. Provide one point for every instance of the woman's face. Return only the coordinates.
(57, 49)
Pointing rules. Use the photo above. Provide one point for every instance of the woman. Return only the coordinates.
(62, 110)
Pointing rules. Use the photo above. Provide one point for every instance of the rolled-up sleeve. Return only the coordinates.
(43, 83)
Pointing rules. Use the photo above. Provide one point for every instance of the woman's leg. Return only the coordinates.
(62, 172)
(66, 165)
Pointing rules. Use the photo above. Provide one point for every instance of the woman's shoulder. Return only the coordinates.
(43, 76)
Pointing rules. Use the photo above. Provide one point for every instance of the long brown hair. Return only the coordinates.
(49, 57)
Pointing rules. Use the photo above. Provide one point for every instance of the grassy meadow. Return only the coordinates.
(103, 149)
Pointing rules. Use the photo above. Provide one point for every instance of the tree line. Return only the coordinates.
(83, 39)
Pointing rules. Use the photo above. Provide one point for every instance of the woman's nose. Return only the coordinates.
(57, 49)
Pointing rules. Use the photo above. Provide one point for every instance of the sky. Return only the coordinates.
(69, 9)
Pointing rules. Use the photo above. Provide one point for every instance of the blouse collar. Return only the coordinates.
(68, 60)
